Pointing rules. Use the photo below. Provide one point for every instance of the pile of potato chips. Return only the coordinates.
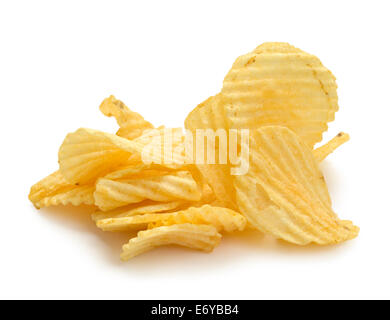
(284, 96)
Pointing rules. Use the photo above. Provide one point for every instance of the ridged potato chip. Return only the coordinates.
(211, 115)
(284, 193)
(152, 185)
(88, 154)
(278, 84)
(132, 124)
(199, 237)
(322, 152)
(163, 146)
(144, 207)
(55, 190)
(223, 219)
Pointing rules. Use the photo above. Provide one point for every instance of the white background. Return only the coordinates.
(58, 60)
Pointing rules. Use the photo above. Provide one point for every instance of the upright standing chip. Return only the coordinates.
(211, 115)
(278, 84)
(284, 193)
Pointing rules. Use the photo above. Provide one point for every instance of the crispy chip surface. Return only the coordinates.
(153, 185)
(144, 207)
(199, 237)
(223, 219)
(163, 146)
(211, 115)
(132, 124)
(284, 193)
(278, 84)
(55, 190)
(88, 154)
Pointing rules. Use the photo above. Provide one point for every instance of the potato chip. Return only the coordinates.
(144, 207)
(208, 196)
(222, 219)
(278, 84)
(88, 154)
(284, 193)
(210, 115)
(132, 124)
(126, 171)
(163, 146)
(165, 187)
(322, 152)
(55, 190)
(200, 237)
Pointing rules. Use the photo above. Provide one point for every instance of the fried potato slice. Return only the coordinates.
(211, 115)
(132, 124)
(284, 193)
(127, 171)
(55, 190)
(137, 209)
(88, 154)
(199, 237)
(153, 185)
(223, 219)
(278, 84)
(322, 152)
(163, 146)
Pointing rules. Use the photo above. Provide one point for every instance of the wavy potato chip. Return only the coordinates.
(223, 219)
(132, 125)
(88, 154)
(163, 146)
(55, 190)
(142, 208)
(152, 185)
(199, 237)
(284, 193)
(278, 84)
(322, 152)
(211, 115)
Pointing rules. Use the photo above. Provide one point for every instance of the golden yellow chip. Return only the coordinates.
(163, 146)
(222, 219)
(165, 187)
(55, 190)
(199, 237)
(284, 193)
(211, 115)
(132, 124)
(322, 152)
(126, 171)
(88, 154)
(145, 207)
(278, 84)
